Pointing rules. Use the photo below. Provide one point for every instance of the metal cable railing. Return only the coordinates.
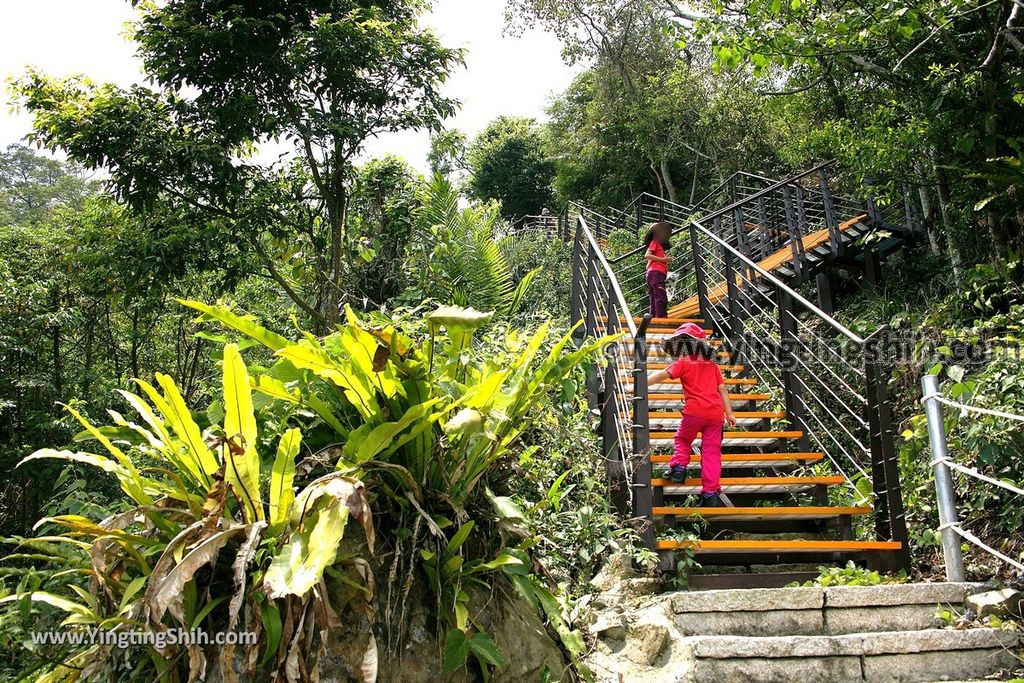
(831, 380)
(599, 303)
(951, 528)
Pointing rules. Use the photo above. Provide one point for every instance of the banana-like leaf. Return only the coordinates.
(136, 489)
(185, 427)
(282, 475)
(319, 515)
(358, 391)
(364, 446)
(134, 486)
(246, 325)
(241, 461)
(51, 599)
(516, 299)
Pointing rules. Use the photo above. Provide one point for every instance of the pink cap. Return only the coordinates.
(690, 330)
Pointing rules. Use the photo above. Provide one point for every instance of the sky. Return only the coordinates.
(503, 75)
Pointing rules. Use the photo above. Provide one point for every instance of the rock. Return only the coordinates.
(618, 568)
(646, 641)
(609, 626)
(1002, 603)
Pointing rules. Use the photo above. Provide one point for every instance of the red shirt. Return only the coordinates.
(655, 249)
(700, 379)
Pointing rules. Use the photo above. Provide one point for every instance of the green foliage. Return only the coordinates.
(458, 254)
(428, 423)
(507, 163)
(324, 76)
(852, 575)
(190, 499)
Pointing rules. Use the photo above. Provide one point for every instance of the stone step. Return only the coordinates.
(815, 611)
(906, 656)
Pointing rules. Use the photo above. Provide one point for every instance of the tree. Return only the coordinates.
(381, 220)
(508, 164)
(926, 92)
(323, 75)
(32, 186)
(447, 154)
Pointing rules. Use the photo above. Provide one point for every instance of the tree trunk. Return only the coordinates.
(995, 227)
(670, 186)
(58, 369)
(927, 212)
(952, 247)
(336, 217)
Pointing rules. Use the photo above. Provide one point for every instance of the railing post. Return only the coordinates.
(576, 305)
(835, 239)
(762, 228)
(872, 208)
(643, 500)
(944, 493)
(733, 291)
(740, 225)
(639, 215)
(613, 461)
(790, 385)
(890, 519)
(590, 324)
(795, 241)
(699, 274)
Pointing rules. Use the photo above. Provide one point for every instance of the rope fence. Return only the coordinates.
(950, 526)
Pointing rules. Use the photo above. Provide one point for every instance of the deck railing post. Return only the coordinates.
(733, 291)
(890, 519)
(872, 208)
(787, 365)
(613, 461)
(795, 241)
(639, 215)
(700, 276)
(578, 278)
(835, 239)
(643, 500)
(944, 492)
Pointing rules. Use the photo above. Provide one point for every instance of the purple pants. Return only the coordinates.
(710, 449)
(656, 293)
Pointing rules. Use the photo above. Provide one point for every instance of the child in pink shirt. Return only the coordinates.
(706, 409)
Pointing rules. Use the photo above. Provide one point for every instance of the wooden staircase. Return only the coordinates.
(787, 510)
(811, 466)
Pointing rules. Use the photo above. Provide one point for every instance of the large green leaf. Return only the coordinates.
(241, 461)
(282, 475)
(245, 325)
(185, 427)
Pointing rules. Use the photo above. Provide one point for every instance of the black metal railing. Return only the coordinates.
(830, 380)
(598, 302)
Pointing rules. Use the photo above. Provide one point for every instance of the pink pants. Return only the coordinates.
(710, 449)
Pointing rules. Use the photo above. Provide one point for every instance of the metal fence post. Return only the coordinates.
(643, 494)
(700, 276)
(575, 306)
(951, 551)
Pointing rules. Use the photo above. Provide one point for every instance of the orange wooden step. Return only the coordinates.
(724, 367)
(740, 415)
(781, 257)
(740, 435)
(678, 396)
(781, 547)
(750, 484)
(751, 459)
(660, 322)
(743, 381)
(760, 514)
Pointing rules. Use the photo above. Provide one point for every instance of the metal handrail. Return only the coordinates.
(835, 324)
(609, 273)
(726, 209)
